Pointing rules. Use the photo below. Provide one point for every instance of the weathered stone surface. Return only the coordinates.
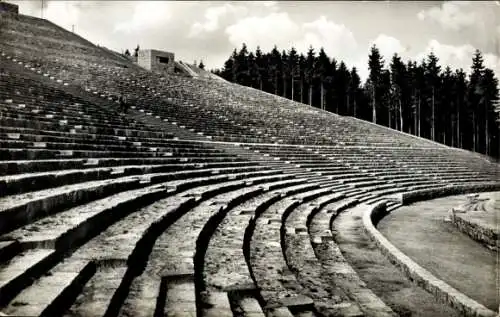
(321, 281)
(39, 297)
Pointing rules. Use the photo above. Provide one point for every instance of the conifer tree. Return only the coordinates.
(375, 64)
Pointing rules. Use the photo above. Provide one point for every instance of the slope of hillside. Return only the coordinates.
(25, 33)
(205, 74)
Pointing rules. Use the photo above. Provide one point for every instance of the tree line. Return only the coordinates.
(418, 97)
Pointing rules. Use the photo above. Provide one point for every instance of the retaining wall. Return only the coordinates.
(483, 235)
(426, 194)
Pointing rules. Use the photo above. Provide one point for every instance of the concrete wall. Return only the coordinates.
(8, 7)
(144, 59)
(426, 194)
(483, 235)
(150, 59)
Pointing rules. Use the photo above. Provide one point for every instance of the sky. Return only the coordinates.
(210, 30)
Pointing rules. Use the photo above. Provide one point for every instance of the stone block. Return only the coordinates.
(297, 301)
(14, 136)
(39, 144)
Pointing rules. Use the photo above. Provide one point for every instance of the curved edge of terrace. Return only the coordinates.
(477, 231)
(441, 290)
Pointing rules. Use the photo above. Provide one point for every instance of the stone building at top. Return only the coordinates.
(156, 61)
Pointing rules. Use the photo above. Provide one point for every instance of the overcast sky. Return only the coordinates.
(210, 30)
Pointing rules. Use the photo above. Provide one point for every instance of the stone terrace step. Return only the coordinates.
(70, 152)
(14, 275)
(138, 228)
(301, 259)
(375, 270)
(65, 119)
(58, 287)
(76, 136)
(95, 303)
(230, 189)
(268, 270)
(29, 166)
(50, 201)
(174, 149)
(225, 265)
(18, 210)
(177, 258)
(21, 183)
(94, 129)
(67, 228)
(8, 249)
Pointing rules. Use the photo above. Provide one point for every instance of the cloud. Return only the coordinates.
(280, 30)
(63, 13)
(336, 39)
(146, 15)
(269, 4)
(493, 61)
(212, 17)
(451, 15)
(388, 46)
(475, 23)
(454, 56)
(361, 64)
(459, 56)
(273, 29)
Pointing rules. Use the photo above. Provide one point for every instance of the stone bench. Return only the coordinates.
(202, 219)
(298, 247)
(71, 117)
(40, 125)
(335, 268)
(267, 270)
(51, 201)
(22, 183)
(42, 153)
(41, 284)
(140, 232)
(175, 149)
(74, 136)
(30, 166)
(224, 255)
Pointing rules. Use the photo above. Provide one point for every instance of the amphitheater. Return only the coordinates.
(212, 199)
